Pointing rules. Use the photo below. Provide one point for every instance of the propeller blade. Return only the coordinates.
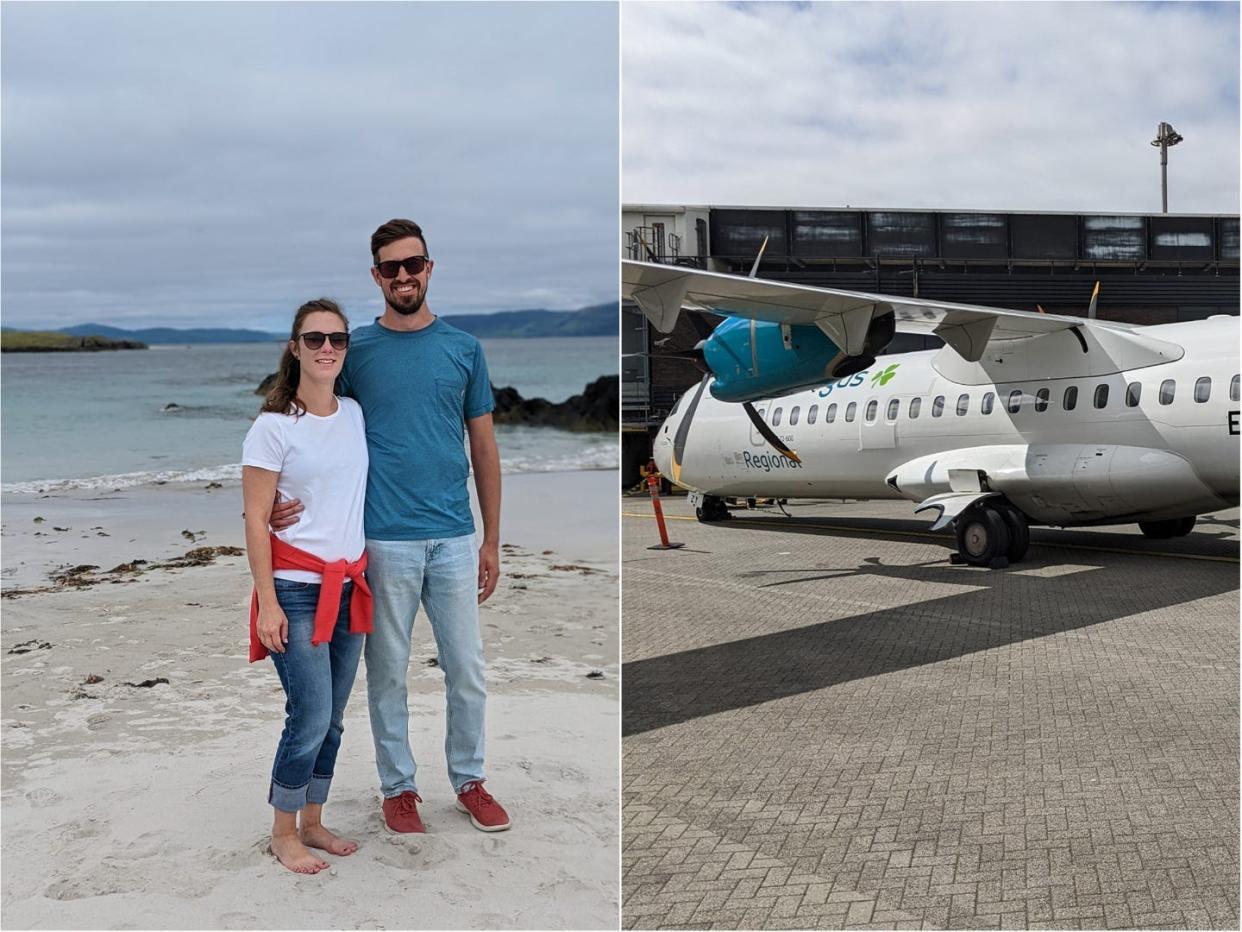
(766, 432)
(755, 268)
(683, 430)
(1095, 294)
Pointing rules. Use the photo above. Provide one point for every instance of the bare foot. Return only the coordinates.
(290, 851)
(317, 836)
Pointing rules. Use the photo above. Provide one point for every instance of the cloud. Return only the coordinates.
(1003, 106)
(199, 164)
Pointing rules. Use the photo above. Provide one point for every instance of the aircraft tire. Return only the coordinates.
(1163, 530)
(983, 537)
(712, 509)
(1019, 531)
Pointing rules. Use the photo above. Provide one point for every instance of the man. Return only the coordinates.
(420, 381)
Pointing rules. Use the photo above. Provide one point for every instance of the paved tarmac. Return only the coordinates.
(826, 725)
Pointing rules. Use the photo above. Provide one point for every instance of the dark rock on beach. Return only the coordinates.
(596, 409)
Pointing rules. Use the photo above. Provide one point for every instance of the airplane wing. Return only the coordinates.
(661, 291)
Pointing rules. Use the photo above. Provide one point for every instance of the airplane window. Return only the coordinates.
(1041, 400)
(831, 414)
(1166, 391)
(915, 404)
(1233, 389)
(963, 404)
(849, 411)
(893, 407)
(793, 416)
(1203, 389)
(1071, 398)
(872, 405)
(1101, 396)
(1134, 391)
(810, 415)
(776, 418)
(938, 406)
(985, 406)
(1015, 401)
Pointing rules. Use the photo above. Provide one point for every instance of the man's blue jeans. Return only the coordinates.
(317, 682)
(443, 575)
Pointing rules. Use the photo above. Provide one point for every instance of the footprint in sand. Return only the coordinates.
(237, 921)
(425, 853)
(41, 796)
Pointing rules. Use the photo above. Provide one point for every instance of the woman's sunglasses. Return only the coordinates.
(413, 264)
(314, 339)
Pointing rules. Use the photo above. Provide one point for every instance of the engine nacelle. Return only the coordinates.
(751, 361)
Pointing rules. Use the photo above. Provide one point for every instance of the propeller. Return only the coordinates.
(683, 429)
(766, 432)
(1095, 294)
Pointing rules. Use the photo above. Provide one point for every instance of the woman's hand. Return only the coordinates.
(273, 628)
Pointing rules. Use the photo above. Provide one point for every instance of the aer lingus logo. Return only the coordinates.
(883, 378)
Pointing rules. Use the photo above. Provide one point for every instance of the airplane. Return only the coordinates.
(1020, 419)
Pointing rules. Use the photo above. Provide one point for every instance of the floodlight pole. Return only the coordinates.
(1166, 136)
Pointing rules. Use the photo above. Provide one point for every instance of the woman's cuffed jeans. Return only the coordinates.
(317, 681)
(442, 575)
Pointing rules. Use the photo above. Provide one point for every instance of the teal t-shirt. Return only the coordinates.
(417, 390)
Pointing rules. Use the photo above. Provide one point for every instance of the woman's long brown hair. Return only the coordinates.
(282, 398)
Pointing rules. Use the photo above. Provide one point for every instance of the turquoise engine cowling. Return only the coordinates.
(767, 369)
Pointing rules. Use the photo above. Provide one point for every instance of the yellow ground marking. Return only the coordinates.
(943, 537)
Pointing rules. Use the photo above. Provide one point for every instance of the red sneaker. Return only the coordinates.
(486, 814)
(401, 814)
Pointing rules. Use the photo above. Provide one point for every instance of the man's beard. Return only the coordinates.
(413, 308)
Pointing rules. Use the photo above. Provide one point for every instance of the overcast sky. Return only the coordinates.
(218, 164)
(1004, 106)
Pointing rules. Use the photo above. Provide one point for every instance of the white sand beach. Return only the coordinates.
(135, 806)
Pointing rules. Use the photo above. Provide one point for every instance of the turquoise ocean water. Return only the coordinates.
(96, 420)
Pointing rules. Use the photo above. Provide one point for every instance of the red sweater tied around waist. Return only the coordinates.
(288, 557)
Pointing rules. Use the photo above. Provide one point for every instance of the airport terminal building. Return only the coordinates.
(1152, 268)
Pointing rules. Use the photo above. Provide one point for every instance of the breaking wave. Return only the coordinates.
(594, 456)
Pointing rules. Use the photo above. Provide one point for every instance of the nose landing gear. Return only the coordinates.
(992, 533)
(712, 508)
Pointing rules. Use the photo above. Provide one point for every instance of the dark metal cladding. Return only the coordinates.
(974, 236)
(1184, 238)
(1043, 236)
(740, 232)
(827, 234)
(900, 233)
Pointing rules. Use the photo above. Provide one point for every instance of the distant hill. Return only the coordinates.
(36, 341)
(598, 320)
(173, 334)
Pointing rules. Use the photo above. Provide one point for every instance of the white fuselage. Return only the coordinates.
(850, 446)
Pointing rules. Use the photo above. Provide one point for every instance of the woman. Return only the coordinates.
(311, 603)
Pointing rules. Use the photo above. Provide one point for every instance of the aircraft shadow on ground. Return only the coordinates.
(680, 687)
(1215, 537)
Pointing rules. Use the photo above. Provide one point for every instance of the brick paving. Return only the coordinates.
(828, 726)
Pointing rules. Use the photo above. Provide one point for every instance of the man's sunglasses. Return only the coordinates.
(414, 265)
(314, 339)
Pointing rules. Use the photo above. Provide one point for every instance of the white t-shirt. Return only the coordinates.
(322, 462)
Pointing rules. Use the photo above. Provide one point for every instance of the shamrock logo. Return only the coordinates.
(883, 378)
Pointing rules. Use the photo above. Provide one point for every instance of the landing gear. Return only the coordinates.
(992, 533)
(1162, 530)
(1019, 531)
(712, 509)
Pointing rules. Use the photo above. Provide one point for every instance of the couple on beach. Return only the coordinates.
(357, 512)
